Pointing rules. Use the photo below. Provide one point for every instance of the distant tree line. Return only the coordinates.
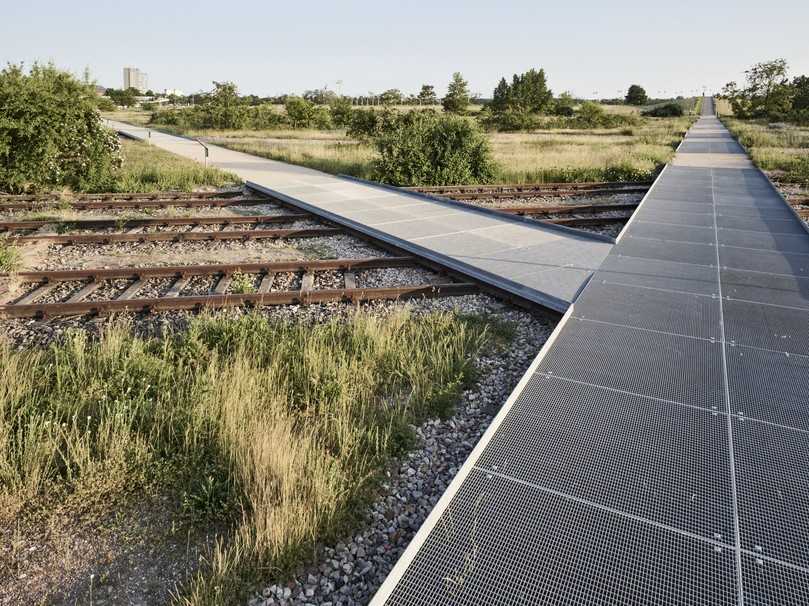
(768, 93)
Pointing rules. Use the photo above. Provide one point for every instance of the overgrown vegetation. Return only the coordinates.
(277, 429)
(51, 134)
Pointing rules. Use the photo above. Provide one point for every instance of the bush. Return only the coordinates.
(425, 148)
(509, 120)
(365, 124)
(669, 110)
(51, 134)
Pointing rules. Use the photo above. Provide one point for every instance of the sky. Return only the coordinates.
(593, 48)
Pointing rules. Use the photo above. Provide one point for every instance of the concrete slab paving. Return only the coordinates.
(464, 239)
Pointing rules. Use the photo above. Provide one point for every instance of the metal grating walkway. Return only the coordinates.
(543, 264)
(657, 450)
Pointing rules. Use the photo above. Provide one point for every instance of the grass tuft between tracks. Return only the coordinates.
(10, 256)
(277, 429)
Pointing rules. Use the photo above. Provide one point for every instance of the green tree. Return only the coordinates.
(767, 93)
(800, 93)
(392, 96)
(51, 134)
(534, 95)
(340, 111)
(124, 98)
(501, 96)
(427, 95)
(223, 108)
(636, 95)
(457, 98)
(426, 148)
(767, 88)
(299, 111)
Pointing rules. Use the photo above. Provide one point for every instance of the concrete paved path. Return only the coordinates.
(544, 264)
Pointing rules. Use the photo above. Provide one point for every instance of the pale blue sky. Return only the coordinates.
(274, 47)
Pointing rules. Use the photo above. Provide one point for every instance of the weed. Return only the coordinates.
(242, 284)
(277, 429)
(10, 257)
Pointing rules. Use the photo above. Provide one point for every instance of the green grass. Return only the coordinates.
(781, 150)
(10, 256)
(147, 169)
(275, 430)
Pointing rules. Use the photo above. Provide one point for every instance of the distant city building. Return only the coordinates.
(173, 91)
(134, 78)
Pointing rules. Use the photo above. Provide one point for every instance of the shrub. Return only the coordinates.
(425, 148)
(340, 109)
(365, 124)
(509, 120)
(591, 115)
(51, 134)
(668, 110)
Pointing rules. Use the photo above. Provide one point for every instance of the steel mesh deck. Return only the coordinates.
(656, 452)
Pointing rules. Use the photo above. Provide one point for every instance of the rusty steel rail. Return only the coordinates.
(163, 271)
(126, 300)
(475, 192)
(171, 195)
(567, 209)
(106, 204)
(587, 221)
(198, 302)
(148, 222)
(177, 236)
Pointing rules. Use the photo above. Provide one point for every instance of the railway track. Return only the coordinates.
(511, 191)
(31, 203)
(100, 291)
(57, 293)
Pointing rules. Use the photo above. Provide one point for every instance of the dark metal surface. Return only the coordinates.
(656, 452)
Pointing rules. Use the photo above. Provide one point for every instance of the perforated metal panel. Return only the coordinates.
(659, 453)
(504, 542)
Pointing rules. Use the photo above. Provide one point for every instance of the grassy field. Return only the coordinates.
(782, 150)
(627, 153)
(147, 168)
(273, 431)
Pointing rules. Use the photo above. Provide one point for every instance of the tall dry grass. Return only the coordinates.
(278, 429)
(781, 148)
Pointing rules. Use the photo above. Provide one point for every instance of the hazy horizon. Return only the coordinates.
(595, 49)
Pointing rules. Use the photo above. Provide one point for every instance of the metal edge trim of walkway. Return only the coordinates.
(489, 212)
(531, 296)
(398, 570)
